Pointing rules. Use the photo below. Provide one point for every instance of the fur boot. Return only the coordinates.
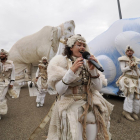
(135, 116)
(127, 116)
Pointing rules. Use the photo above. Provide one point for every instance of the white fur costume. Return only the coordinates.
(41, 74)
(7, 76)
(64, 123)
(129, 83)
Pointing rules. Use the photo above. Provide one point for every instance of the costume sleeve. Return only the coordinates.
(67, 79)
(37, 72)
(139, 72)
(123, 68)
(96, 82)
(12, 75)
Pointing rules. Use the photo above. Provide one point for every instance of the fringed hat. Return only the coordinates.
(71, 40)
(5, 52)
(43, 58)
(129, 48)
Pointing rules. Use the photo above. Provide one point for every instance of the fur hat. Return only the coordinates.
(5, 52)
(129, 48)
(43, 58)
(71, 40)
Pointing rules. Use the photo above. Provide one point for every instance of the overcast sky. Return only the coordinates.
(19, 18)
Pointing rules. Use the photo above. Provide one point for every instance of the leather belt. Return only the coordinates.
(77, 97)
(131, 76)
(81, 89)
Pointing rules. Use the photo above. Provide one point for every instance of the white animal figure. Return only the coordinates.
(111, 44)
(30, 49)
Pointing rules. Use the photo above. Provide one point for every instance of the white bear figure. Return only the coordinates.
(111, 44)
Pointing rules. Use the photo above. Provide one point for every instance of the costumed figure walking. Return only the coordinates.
(80, 113)
(129, 84)
(41, 79)
(7, 78)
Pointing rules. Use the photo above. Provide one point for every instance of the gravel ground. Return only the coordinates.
(23, 117)
(121, 128)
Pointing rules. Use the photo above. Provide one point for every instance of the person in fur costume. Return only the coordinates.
(41, 79)
(129, 84)
(7, 77)
(80, 113)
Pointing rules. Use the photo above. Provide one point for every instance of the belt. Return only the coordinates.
(77, 97)
(81, 89)
(131, 76)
